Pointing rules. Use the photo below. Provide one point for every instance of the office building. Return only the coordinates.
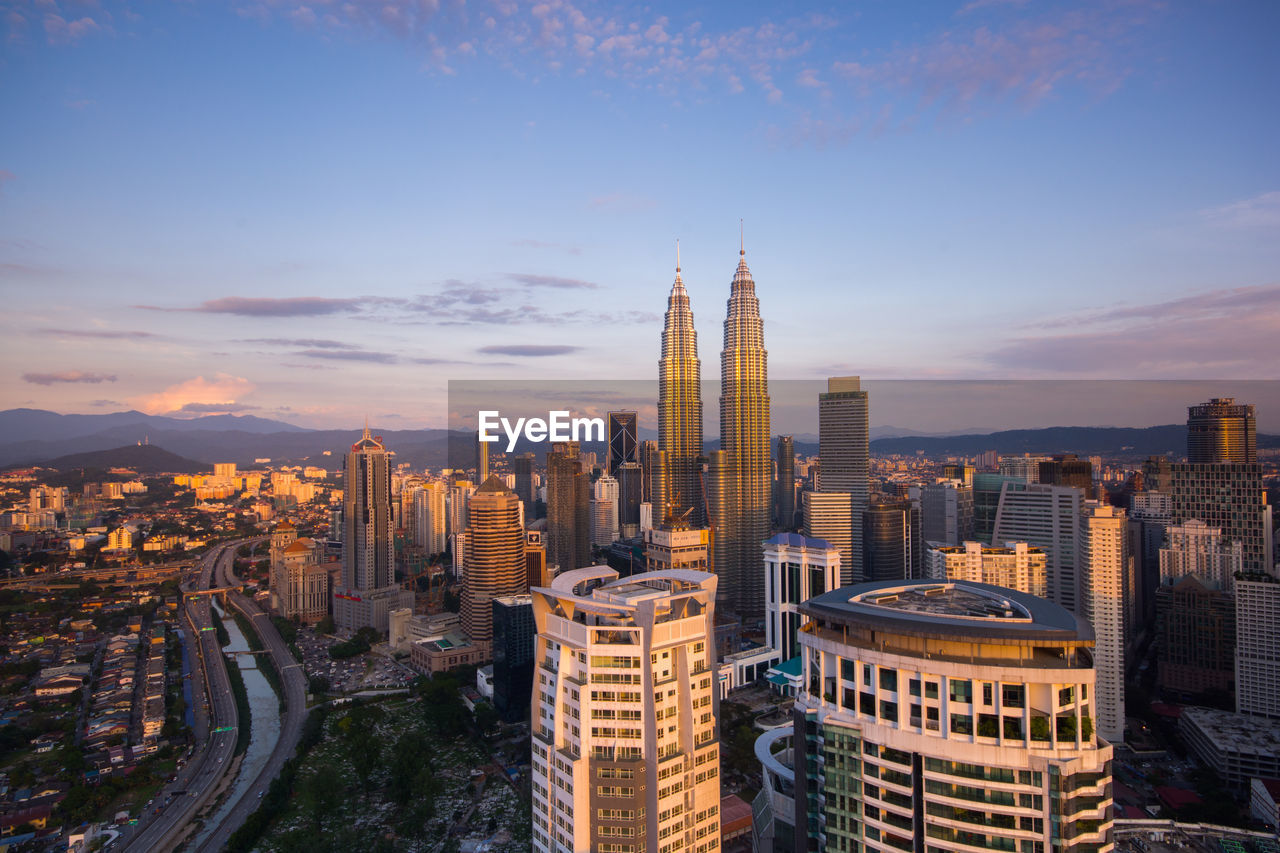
(522, 466)
(367, 591)
(513, 636)
(1025, 467)
(892, 548)
(568, 509)
(747, 468)
(1230, 497)
(939, 716)
(1014, 565)
(456, 500)
(1046, 517)
(784, 498)
(1258, 645)
(1104, 558)
(946, 511)
(1067, 469)
(630, 489)
(535, 558)
(679, 415)
(495, 561)
(604, 512)
(303, 589)
(844, 436)
(674, 546)
(622, 440)
(1157, 474)
(1221, 431)
(624, 713)
(1196, 625)
(829, 516)
(986, 502)
(798, 568)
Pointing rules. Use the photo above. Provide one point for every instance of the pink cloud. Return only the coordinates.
(223, 390)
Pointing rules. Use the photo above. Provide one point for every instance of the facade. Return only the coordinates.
(844, 436)
(784, 497)
(1258, 645)
(1014, 565)
(522, 466)
(622, 440)
(630, 488)
(495, 558)
(513, 635)
(940, 716)
(798, 568)
(1047, 517)
(568, 509)
(1238, 747)
(747, 473)
(892, 548)
(1025, 467)
(367, 592)
(1221, 431)
(946, 512)
(429, 514)
(1067, 469)
(1230, 497)
(303, 592)
(604, 512)
(1196, 624)
(625, 739)
(674, 547)
(1104, 558)
(829, 516)
(676, 472)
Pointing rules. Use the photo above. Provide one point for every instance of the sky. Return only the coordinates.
(326, 211)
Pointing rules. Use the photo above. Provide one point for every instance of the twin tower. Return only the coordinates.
(729, 489)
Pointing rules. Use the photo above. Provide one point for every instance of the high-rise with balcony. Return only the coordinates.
(939, 716)
(744, 520)
(678, 493)
(1015, 565)
(625, 740)
(1104, 571)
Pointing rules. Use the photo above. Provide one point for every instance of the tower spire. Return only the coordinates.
(742, 240)
(677, 254)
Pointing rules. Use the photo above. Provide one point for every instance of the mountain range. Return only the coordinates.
(34, 436)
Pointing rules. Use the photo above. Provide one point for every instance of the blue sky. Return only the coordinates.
(320, 211)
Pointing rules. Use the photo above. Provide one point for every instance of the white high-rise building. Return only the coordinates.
(797, 568)
(1025, 467)
(1015, 565)
(604, 512)
(1258, 645)
(955, 715)
(456, 519)
(1047, 517)
(624, 713)
(1104, 570)
(1195, 548)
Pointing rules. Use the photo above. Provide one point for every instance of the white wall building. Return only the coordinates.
(1015, 565)
(1104, 558)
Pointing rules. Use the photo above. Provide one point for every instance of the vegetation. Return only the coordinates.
(357, 645)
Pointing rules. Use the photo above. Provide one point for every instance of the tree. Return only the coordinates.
(486, 718)
(325, 625)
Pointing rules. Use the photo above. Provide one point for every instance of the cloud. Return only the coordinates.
(531, 280)
(102, 404)
(68, 376)
(99, 334)
(216, 408)
(349, 355)
(248, 306)
(1230, 332)
(5, 177)
(528, 350)
(223, 390)
(1262, 212)
(315, 343)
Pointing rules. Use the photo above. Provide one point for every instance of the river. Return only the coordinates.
(264, 721)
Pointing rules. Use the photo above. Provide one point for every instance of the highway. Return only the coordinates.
(294, 682)
(164, 822)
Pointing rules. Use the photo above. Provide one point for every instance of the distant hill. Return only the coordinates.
(18, 425)
(1139, 442)
(144, 458)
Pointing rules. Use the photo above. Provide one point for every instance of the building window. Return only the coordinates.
(961, 691)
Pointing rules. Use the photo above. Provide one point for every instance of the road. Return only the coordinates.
(295, 697)
(216, 718)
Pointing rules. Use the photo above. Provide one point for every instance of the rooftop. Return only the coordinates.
(1232, 732)
(960, 609)
(795, 540)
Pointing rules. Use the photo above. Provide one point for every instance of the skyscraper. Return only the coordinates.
(429, 512)
(1221, 431)
(844, 454)
(568, 509)
(629, 491)
(892, 548)
(523, 467)
(1015, 565)
(625, 749)
(622, 440)
(827, 516)
(679, 411)
(1047, 517)
(604, 512)
(495, 558)
(744, 437)
(784, 500)
(368, 591)
(946, 511)
(1258, 645)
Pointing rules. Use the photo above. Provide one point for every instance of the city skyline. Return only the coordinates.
(359, 203)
